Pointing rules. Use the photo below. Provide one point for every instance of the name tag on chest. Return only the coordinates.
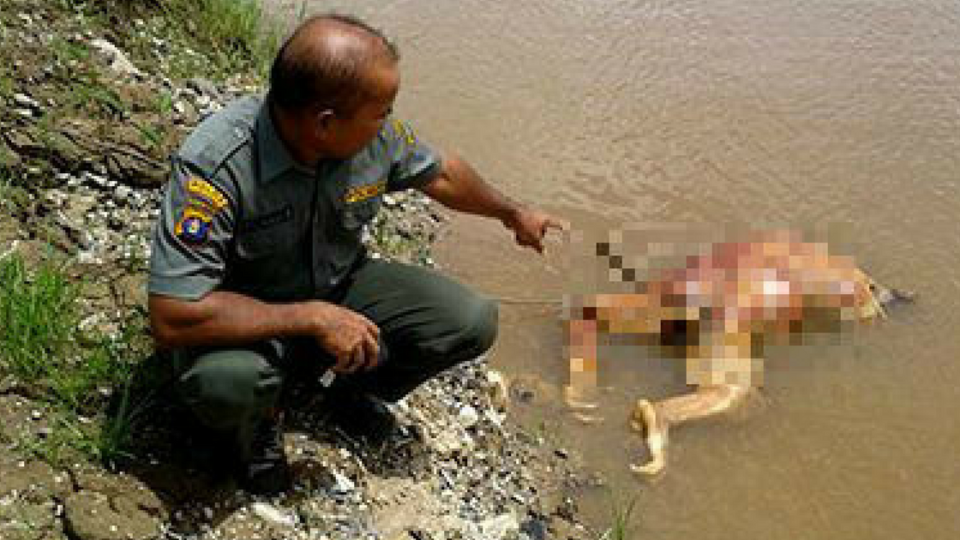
(268, 220)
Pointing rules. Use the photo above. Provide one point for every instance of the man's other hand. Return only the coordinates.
(350, 337)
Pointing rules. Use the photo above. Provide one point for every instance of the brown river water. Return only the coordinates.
(840, 115)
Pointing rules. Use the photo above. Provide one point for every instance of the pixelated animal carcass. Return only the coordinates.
(717, 311)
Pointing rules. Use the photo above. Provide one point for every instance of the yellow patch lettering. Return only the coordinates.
(360, 193)
(202, 189)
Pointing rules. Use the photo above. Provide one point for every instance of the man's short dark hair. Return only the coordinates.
(304, 76)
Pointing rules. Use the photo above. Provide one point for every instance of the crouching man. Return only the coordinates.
(258, 275)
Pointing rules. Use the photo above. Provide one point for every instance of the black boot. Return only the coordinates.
(267, 471)
(360, 416)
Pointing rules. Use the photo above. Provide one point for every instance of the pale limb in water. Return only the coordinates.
(655, 420)
(645, 420)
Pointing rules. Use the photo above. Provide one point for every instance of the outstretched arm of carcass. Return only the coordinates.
(655, 420)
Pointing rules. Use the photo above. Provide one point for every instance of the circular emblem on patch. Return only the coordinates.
(193, 229)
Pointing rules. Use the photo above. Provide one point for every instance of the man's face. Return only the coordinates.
(344, 136)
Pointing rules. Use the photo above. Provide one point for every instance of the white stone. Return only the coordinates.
(118, 61)
(272, 514)
(24, 100)
(468, 416)
(500, 527)
(342, 485)
(449, 442)
(95, 179)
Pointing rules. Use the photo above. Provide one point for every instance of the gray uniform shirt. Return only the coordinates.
(239, 214)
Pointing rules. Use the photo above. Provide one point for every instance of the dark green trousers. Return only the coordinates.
(428, 323)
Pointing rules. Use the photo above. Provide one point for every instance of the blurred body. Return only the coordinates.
(717, 312)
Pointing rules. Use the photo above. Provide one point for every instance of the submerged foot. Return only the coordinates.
(579, 400)
(645, 419)
(582, 406)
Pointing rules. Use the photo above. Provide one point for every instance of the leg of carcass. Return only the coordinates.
(580, 394)
(656, 419)
(706, 401)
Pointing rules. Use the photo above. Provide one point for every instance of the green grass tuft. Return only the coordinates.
(230, 36)
(620, 516)
(43, 346)
(38, 318)
(236, 31)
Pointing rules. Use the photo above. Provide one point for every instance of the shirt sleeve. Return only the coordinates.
(413, 163)
(192, 235)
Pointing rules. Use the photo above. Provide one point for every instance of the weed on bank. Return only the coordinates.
(50, 354)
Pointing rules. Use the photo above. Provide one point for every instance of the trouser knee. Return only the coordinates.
(465, 336)
(472, 333)
(482, 329)
(230, 389)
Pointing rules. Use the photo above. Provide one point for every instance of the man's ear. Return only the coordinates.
(325, 121)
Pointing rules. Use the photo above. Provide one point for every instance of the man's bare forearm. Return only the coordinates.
(225, 318)
(461, 188)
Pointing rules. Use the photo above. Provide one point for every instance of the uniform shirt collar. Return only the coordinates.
(273, 157)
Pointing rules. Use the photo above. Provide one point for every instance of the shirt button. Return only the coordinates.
(238, 132)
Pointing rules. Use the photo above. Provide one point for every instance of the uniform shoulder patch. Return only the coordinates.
(203, 202)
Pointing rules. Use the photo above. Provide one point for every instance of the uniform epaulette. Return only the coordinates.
(210, 155)
(219, 137)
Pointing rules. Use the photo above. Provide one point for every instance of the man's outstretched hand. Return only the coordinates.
(530, 227)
